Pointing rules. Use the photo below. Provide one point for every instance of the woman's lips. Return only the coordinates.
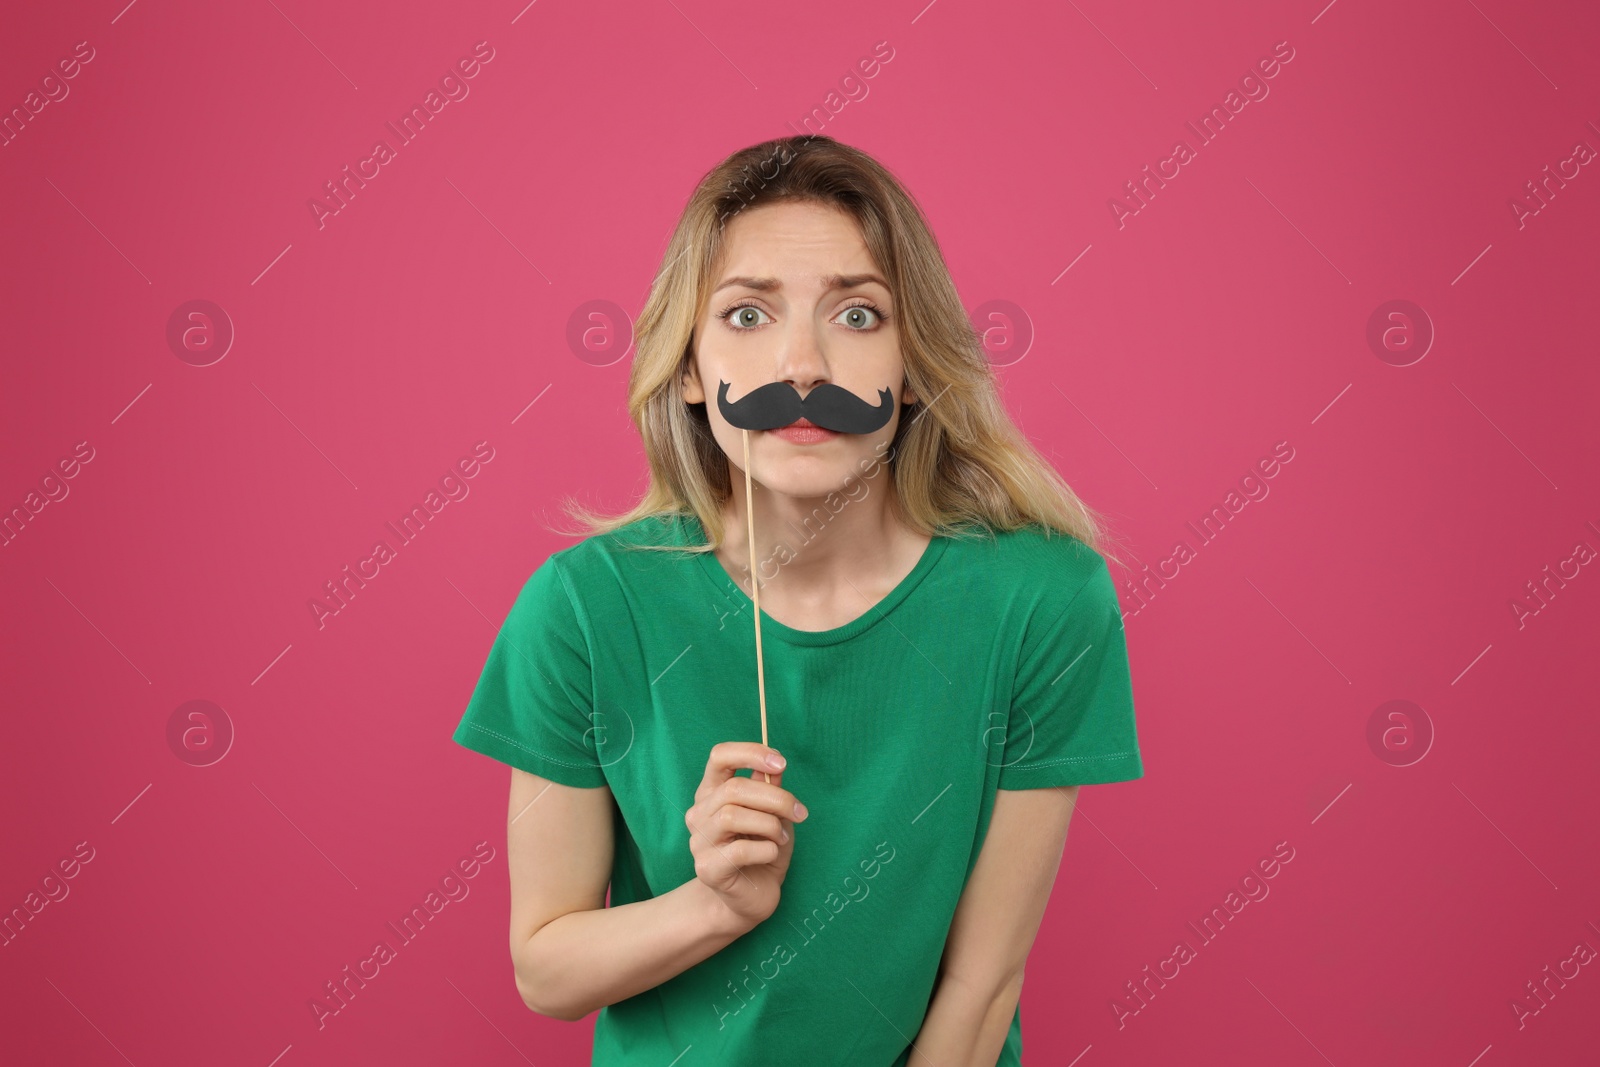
(804, 432)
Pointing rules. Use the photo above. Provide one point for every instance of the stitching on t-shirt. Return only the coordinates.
(514, 743)
(1073, 759)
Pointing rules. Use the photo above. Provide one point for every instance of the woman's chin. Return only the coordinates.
(818, 479)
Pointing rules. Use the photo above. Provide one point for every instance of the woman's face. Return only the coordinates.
(779, 313)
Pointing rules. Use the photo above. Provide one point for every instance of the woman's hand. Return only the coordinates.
(739, 829)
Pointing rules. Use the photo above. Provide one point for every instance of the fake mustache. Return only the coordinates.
(829, 406)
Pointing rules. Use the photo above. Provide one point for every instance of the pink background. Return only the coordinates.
(1229, 314)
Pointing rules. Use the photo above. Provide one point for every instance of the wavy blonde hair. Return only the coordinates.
(958, 463)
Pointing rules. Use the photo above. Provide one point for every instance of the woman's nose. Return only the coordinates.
(801, 361)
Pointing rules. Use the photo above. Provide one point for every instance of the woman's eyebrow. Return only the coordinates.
(831, 281)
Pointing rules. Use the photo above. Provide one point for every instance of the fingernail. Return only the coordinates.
(799, 810)
(785, 830)
(775, 761)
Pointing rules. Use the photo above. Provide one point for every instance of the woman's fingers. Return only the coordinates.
(730, 756)
(738, 821)
(722, 785)
(740, 806)
(718, 864)
(757, 796)
(733, 821)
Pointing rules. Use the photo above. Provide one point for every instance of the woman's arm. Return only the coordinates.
(996, 920)
(572, 954)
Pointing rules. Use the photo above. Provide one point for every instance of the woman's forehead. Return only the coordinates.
(790, 241)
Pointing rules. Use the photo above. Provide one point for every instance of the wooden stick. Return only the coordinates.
(755, 586)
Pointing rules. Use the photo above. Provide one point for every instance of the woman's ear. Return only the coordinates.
(693, 391)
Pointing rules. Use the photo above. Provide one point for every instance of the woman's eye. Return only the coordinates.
(861, 317)
(744, 317)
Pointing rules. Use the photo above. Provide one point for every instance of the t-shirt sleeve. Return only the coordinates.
(1071, 720)
(532, 704)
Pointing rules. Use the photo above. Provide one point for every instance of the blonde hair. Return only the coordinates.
(958, 463)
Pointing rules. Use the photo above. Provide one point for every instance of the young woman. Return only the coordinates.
(941, 651)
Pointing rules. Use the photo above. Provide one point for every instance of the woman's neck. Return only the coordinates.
(822, 561)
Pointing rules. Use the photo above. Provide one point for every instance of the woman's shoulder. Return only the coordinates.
(641, 543)
(599, 571)
(1033, 574)
(1031, 549)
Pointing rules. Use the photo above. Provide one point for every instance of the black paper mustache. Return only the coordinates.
(829, 406)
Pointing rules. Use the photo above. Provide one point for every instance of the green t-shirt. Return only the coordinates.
(998, 662)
